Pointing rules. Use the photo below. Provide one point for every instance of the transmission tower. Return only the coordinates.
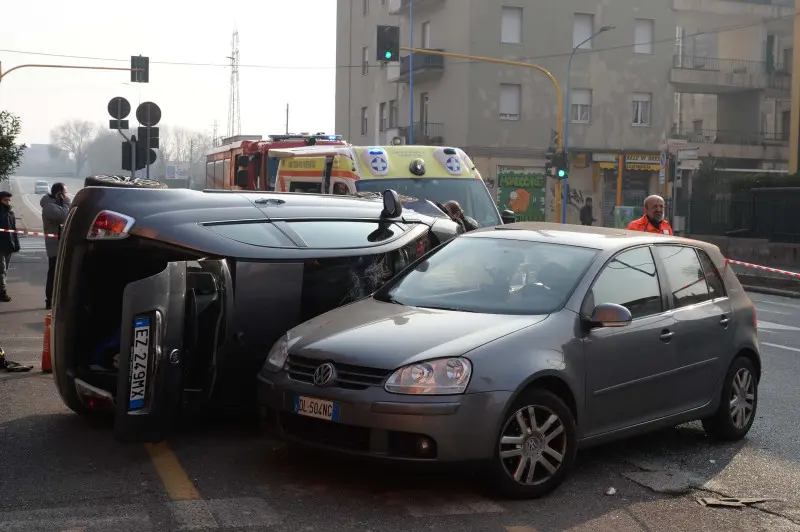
(234, 115)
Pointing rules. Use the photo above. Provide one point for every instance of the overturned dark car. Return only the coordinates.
(168, 299)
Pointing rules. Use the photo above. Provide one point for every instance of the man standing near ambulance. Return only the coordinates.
(653, 220)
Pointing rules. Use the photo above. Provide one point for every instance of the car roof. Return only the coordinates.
(602, 238)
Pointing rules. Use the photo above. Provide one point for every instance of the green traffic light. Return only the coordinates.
(562, 173)
(388, 55)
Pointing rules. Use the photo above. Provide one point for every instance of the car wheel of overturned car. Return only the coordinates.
(121, 181)
(536, 446)
(737, 408)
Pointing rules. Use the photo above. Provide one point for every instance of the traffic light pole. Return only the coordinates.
(12, 69)
(559, 101)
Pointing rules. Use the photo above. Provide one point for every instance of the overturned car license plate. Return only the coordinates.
(139, 363)
(316, 408)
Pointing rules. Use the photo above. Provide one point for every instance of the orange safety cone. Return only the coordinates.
(47, 366)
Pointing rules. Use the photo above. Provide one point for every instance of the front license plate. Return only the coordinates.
(317, 408)
(140, 354)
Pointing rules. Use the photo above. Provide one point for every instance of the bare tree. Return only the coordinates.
(73, 137)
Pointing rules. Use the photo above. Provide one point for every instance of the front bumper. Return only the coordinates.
(373, 422)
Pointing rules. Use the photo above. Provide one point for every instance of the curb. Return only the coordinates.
(771, 291)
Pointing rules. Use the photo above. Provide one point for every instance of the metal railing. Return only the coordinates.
(721, 136)
(778, 74)
(425, 132)
(422, 62)
(771, 215)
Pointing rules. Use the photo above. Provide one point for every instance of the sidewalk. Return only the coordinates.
(22, 320)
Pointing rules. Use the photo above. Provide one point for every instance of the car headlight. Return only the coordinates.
(278, 354)
(444, 376)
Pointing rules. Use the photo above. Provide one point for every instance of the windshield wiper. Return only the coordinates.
(388, 299)
(454, 309)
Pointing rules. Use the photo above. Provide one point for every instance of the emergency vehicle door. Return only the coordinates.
(150, 380)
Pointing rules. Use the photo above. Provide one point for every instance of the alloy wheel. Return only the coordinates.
(533, 445)
(742, 398)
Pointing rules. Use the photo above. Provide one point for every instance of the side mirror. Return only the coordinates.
(610, 315)
(508, 216)
(241, 178)
(392, 208)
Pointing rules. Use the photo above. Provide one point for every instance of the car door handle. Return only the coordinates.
(666, 335)
(724, 320)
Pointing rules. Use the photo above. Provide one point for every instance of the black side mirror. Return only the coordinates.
(508, 216)
(392, 207)
(241, 178)
(610, 315)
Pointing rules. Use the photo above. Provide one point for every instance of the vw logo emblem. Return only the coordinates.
(325, 374)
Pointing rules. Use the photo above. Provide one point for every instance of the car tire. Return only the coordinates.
(538, 446)
(738, 403)
(121, 182)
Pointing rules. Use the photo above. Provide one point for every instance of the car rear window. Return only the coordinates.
(332, 234)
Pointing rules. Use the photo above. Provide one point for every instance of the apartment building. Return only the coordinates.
(504, 116)
(732, 77)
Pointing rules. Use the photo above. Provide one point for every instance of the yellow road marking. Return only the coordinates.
(177, 483)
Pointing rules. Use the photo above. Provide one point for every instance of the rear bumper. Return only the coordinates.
(378, 424)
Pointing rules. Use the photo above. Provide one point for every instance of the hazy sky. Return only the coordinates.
(293, 44)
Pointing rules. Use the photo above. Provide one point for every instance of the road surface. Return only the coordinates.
(59, 472)
(26, 203)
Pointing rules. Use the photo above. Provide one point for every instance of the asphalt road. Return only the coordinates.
(26, 203)
(59, 472)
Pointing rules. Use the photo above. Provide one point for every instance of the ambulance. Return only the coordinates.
(434, 173)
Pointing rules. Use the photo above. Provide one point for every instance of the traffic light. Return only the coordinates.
(140, 69)
(143, 158)
(562, 167)
(549, 163)
(388, 49)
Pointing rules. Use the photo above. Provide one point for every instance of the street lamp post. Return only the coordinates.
(568, 119)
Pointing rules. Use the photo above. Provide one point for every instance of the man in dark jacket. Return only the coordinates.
(55, 207)
(9, 242)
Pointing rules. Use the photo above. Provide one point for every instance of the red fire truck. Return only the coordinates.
(243, 162)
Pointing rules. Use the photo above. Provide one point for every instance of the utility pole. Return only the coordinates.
(287, 118)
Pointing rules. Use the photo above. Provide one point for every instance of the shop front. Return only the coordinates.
(624, 192)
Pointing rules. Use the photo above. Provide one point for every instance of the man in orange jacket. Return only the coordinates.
(653, 220)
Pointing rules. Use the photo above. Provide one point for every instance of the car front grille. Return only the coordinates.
(349, 377)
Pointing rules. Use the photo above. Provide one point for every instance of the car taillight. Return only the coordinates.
(755, 318)
(108, 225)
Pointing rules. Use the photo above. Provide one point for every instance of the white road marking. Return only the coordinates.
(776, 326)
(239, 512)
(774, 311)
(795, 349)
(30, 205)
(776, 303)
(112, 517)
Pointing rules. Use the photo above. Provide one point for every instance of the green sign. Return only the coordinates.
(523, 191)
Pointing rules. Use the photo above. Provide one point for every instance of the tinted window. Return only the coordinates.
(344, 234)
(685, 275)
(256, 234)
(630, 280)
(715, 285)
(309, 188)
(470, 193)
(496, 276)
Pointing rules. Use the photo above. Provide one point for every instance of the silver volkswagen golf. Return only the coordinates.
(517, 345)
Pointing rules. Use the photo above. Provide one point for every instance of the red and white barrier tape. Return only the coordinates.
(29, 233)
(757, 267)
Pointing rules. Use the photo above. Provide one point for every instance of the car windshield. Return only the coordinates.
(493, 276)
(471, 193)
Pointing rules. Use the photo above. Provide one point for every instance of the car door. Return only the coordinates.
(629, 370)
(150, 380)
(702, 313)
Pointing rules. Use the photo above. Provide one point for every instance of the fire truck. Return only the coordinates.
(243, 162)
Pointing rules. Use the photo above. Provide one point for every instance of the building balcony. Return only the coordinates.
(735, 144)
(425, 66)
(428, 133)
(753, 9)
(397, 7)
(709, 75)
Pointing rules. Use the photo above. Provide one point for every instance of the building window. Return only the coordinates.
(697, 126)
(511, 25)
(641, 108)
(366, 7)
(510, 101)
(582, 29)
(382, 113)
(364, 117)
(393, 110)
(364, 61)
(581, 106)
(426, 35)
(644, 34)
